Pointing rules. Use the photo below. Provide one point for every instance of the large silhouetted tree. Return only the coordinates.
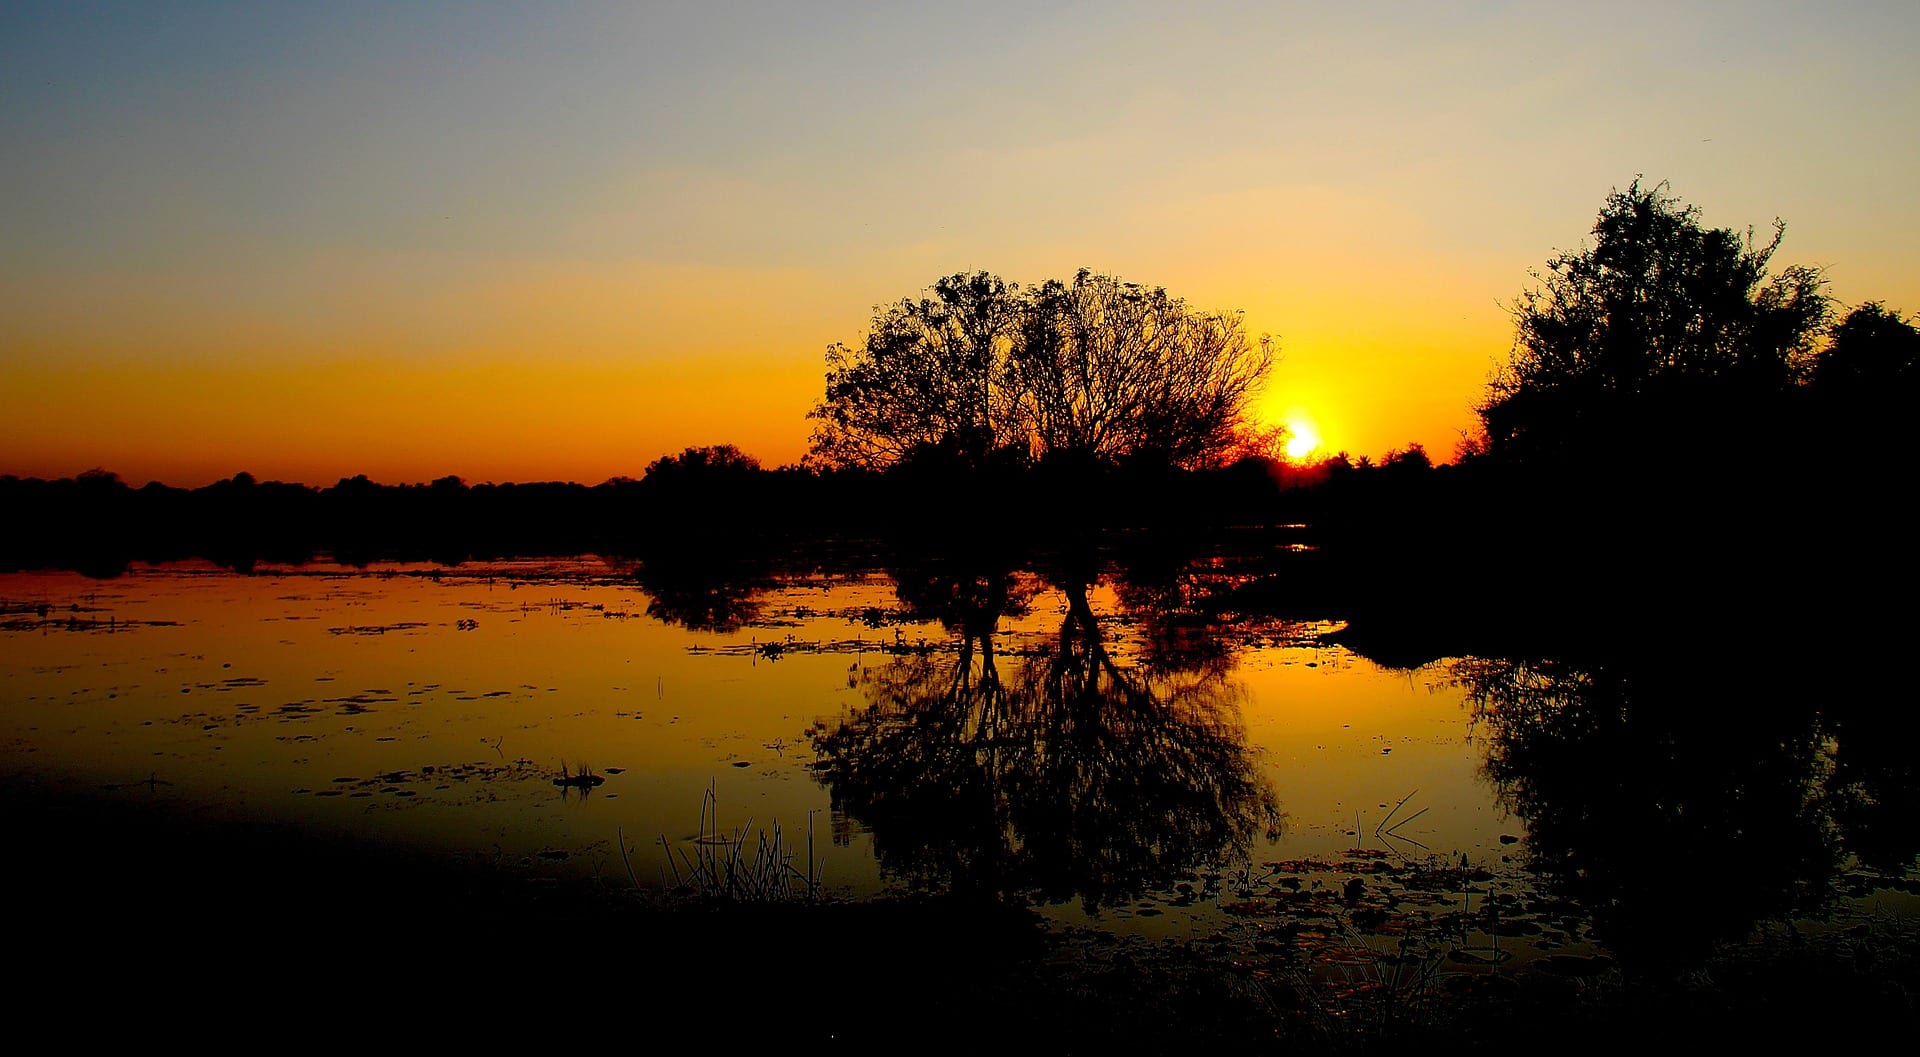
(1096, 368)
(931, 373)
(1659, 320)
(1113, 370)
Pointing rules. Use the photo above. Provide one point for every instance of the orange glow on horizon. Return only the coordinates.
(396, 422)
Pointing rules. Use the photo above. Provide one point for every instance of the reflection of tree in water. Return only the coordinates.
(1050, 774)
(701, 594)
(1179, 631)
(1676, 805)
(968, 603)
(1195, 607)
(1874, 785)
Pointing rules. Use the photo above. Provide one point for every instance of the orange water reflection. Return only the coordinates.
(436, 706)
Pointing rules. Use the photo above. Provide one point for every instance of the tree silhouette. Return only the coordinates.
(1109, 370)
(699, 503)
(1875, 351)
(1656, 322)
(931, 373)
(719, 459)
(1095, 370)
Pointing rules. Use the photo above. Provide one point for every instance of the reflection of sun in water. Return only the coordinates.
(1302, 438)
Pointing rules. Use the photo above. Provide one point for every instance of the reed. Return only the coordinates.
(1377, 997)
(742, 865)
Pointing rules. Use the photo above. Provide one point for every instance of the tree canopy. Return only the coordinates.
(1659, 313)
(1875, 350)
(1111, 370)
(1095, 368)
(712, 460)
(931, 372)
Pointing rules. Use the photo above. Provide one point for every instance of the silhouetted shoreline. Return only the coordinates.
(1478, 554)
(409, 945)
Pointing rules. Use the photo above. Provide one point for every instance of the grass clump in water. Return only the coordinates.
(741, 866)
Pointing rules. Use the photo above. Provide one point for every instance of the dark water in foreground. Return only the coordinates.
(1120, 755)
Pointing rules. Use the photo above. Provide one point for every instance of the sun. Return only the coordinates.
(1302, 438)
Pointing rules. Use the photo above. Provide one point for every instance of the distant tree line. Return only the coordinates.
(705, 507)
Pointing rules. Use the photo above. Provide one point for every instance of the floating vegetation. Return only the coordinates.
(377, 629)
(434, 777)
(583, 780)
(14, 617)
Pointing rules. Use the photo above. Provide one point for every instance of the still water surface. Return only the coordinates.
(1074, 748)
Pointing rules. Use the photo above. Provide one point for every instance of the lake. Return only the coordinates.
(1111, 751)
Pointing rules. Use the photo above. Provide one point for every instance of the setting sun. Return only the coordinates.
(1302, 438)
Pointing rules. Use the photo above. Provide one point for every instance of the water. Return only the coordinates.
(1094, 750)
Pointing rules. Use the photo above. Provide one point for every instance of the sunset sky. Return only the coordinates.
(509, 242)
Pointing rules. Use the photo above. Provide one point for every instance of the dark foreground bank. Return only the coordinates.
(140, 919)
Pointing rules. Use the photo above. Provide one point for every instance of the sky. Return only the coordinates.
(538, 242)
